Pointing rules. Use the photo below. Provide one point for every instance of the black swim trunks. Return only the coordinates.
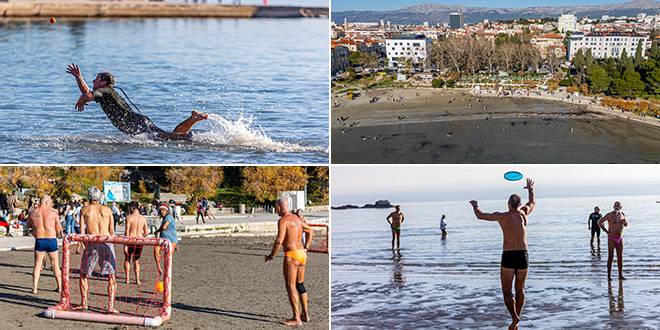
(134, 251)
(121, 115)
(515, 259)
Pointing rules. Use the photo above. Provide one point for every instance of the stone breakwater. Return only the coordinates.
(151, 9)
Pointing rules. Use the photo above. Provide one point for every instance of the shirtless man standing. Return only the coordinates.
(616, 220)
(120, 113)
(96, 219)
(136, 226)
(290, 229)
(45, 223)
(514, 256)
(395, 219)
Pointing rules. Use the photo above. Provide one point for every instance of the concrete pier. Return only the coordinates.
(88, 9)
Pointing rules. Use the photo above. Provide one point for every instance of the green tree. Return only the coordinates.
(580, 64)
(630, 85)
(599, 80)
(639, 54)
(653, 82)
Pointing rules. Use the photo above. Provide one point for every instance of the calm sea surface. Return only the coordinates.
(264, 82)
(454, 283)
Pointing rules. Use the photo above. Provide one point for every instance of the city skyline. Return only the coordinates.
(344, 5)
(359, 185)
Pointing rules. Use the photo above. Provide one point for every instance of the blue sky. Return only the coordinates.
(341, 5)
(362, 184)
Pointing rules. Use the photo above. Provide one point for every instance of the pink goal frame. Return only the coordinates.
(63, 310)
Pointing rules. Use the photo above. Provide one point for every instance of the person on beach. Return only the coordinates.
(167, 230)
(616, 220)
(120, 113)
(514, 256)
(395, 219)
(594, 227)
(443, 226)
(45, 225)
(290, 230)
(200, 212)
(96, 219)
(136, 226)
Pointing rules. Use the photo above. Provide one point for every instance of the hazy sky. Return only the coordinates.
(366, 184)
(340, 5)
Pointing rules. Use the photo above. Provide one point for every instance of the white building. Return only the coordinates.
(604, 45)
(567, 23)
(401, 49)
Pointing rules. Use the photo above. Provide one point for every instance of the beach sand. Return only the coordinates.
(218, 283)
(431, 126)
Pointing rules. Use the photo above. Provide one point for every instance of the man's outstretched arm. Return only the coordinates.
(483, 216)
(74, 70)
(531, 203)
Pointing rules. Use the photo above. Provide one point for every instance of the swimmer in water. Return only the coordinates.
(120, 113)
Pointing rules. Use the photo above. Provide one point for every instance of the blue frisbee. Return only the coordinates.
(513, 176)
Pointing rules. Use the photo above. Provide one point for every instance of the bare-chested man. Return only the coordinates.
(136, 226)
(395, 219)
(514, 256)
(290, 229)
(616, 220)
(45, 224)
(96, 219)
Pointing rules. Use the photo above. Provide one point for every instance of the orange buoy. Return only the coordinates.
(52, 20)
(159, 286)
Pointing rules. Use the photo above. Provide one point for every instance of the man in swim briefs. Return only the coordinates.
(45, 223)
(514, 256)
(136, 226)
(594, 227)
(120, 113)
(96, 219)
(395, 219)
(290, 230)
(616, 220)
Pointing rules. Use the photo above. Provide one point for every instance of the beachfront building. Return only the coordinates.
(606, 44)
(401, 49)
(339, 58)
(549, 42)
(456, 21)
(567, 23)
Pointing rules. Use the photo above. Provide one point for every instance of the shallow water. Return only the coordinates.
(265, 82)
(454, 283)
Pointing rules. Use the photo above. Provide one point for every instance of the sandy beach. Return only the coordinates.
(433, 126)
(219, 283)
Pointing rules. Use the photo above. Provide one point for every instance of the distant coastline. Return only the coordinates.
(90, 9)
(381, 204)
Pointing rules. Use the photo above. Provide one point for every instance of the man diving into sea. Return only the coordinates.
(120, 113)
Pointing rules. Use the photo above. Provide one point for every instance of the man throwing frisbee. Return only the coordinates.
(514, 256)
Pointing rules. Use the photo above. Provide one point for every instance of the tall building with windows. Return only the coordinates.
(456, 21)
(567, 23)
(604, 45)
(415, 48)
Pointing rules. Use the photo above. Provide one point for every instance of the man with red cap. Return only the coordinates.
(167, 230)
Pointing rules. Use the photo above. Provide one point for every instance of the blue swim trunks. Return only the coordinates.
(45, 244)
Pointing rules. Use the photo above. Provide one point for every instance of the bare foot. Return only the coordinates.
(127, 281)
(305, 318)
(35, 291)
(138, 282)
(293, 322)
(80, 308)
(621, 278)
(609, 279)
(112, 310)
(198, 115)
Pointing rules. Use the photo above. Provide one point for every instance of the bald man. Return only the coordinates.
(514, 256)
(616, 220)
(290, 229)
(45, 225)
(96, 219)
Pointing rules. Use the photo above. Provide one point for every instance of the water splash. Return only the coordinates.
(243, 133)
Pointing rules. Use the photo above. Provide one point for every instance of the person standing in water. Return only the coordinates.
(594, 227)
(120, 113)
(616, 220)
(443, 226)
(395, 219)
(514, 256)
